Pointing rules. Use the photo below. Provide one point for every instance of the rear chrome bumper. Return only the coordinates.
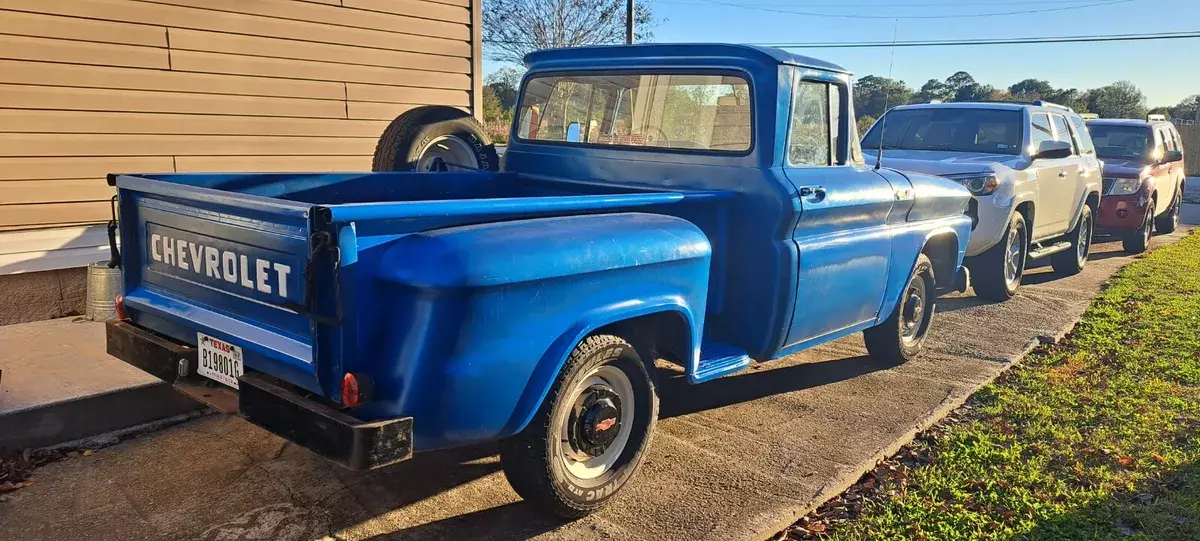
(268, 403)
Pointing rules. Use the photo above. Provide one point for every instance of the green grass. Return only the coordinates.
(1095, 438)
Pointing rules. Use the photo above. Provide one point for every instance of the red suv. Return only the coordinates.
(1143, 178)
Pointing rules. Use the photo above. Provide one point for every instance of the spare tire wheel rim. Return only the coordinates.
(451, 149)
(595, 432)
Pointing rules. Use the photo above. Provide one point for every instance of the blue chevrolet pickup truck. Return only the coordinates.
(703, 205)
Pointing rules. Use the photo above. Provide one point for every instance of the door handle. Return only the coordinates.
(812, 192)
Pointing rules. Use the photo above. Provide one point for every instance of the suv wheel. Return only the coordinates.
(1169, 221)
(1138, 240)
(997, 272)
(1072, 261)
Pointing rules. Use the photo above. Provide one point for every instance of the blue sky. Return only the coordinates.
(1166, 71)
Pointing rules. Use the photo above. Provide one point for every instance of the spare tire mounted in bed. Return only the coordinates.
(434, 138)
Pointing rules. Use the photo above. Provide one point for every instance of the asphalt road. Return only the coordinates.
(738, 457)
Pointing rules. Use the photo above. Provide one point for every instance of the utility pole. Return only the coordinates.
(629, 21)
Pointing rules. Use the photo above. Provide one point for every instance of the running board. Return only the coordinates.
(1043, 251)
(718, 359)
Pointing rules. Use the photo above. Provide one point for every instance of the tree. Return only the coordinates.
(874, 95)
(1031, 89)
(1119, 100)
(933, 89)
(864, 123)
(976, 92)
(1187, 108)
(513, 28)
(504, 83)
(956, 82)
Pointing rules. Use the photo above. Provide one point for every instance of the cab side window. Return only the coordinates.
(1040, 132)
(810, 141)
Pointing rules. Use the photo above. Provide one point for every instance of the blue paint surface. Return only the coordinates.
(463, 293)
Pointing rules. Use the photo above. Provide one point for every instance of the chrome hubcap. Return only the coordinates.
(454, 152)
(595, 431)
(1013, 258)
(912, 313)
(1085, 238)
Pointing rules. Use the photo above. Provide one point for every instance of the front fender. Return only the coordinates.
(910, 242)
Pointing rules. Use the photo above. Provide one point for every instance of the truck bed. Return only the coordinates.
(276, 261)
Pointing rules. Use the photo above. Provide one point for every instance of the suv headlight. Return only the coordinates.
(977, 183)
(1125, 186)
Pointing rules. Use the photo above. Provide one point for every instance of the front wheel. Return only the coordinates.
(590, 434)
(900, 337)
(1072, 261)
(1138, 240)
(997, 272)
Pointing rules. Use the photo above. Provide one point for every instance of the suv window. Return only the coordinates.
(1061, 133)
(1083, 139)
(809, 140)
(960, 129)
(1169, 139)
(1121, 142)
(675, 111)
(1041, 131)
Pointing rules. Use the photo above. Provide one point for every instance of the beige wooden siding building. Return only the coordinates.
(89, 87)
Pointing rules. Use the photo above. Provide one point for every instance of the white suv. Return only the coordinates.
(1032, 168)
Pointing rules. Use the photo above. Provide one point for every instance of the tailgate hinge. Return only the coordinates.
(321, 241)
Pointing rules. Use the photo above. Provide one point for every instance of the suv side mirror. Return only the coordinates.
(1053, 149)
(1172, 156)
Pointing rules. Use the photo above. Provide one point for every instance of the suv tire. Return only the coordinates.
(1168, 222)
(573, 458)
(1071, 261)
(900, 337)
(1138, 240)
(997, 272)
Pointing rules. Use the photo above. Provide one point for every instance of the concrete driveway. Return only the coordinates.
(739, 457)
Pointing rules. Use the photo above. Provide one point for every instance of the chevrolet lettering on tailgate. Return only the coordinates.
(214, 260)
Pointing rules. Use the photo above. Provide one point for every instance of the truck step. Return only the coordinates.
(718, 359)
(1039, 250)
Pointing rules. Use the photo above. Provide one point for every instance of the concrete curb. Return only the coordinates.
(89, 416)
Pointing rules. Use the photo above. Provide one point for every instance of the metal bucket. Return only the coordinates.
(103, 286)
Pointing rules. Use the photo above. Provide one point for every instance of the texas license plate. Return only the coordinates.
(219, 360)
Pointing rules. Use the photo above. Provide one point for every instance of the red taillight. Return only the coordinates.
(351, 392)
(120, 305)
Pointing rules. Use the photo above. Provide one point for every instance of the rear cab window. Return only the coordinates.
(663, 111)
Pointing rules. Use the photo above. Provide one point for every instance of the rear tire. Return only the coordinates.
(1072, 261)
(411, 141)
(900, 337)
(1167, 223)
(993, 275)
(1138, 240)
(573, 457)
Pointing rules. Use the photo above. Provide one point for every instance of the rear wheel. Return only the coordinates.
(434, 138)
(591, 433)
(1168, 222)
(900, 337)
(997, 272)
(1138, 240)
(1072, 261)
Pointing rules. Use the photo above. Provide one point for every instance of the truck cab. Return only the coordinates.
(705, 204)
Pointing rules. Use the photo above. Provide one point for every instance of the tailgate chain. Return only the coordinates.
(114, 259)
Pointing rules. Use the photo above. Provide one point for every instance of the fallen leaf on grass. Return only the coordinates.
(818, 527)
(1127, 461)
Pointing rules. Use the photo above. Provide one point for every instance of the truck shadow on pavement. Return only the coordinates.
(678, 397)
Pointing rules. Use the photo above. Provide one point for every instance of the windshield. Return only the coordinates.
(676, 111)
(1121, 142)
(961, 129)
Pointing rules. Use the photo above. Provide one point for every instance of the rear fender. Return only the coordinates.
(551, 364)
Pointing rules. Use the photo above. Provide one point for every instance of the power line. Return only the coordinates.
(960, 42)
(989, 41)
(873, 16)
(888, 5)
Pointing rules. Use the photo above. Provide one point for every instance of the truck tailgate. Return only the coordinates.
(226, 265)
